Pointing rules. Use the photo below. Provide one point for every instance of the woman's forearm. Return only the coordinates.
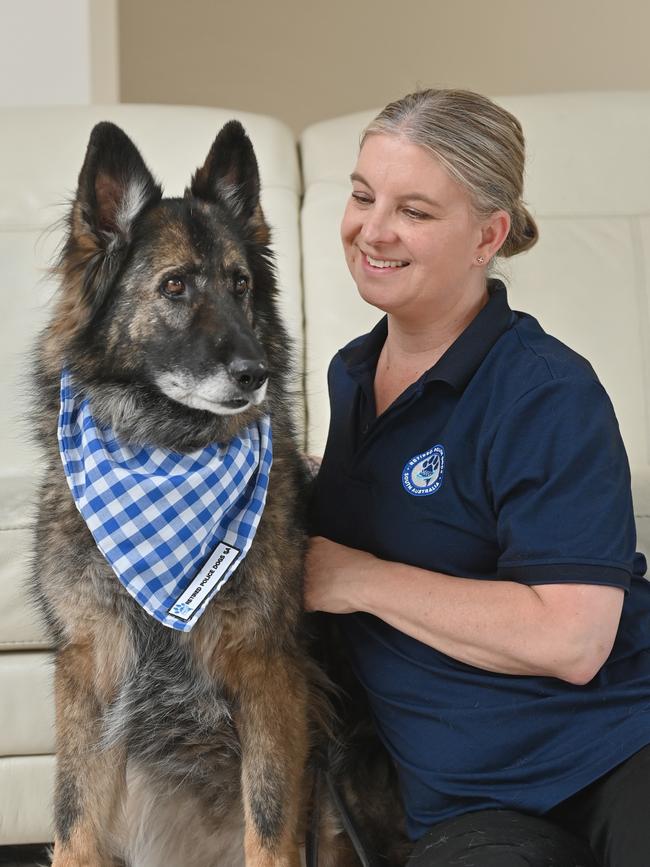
(504, 626)
(557, 630)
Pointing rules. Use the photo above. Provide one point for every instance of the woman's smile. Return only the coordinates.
(381, 265)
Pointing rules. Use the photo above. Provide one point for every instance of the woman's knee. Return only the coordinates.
(499, 838)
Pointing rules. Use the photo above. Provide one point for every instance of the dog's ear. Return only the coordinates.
(230, 174)
(114, 188)
(115, 185)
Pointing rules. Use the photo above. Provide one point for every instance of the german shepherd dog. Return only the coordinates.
(174, 748)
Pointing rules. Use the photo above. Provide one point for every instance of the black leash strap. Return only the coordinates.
(361, 847)
(313, 826)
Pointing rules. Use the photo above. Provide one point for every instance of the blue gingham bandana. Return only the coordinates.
(174, 527)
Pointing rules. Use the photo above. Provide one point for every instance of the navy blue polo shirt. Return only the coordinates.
(503, 461)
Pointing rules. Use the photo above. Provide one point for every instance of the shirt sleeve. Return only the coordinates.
(560, 483)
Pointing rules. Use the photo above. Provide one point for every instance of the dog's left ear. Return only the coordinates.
(230, 174)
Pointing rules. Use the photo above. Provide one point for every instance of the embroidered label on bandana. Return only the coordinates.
(173, 527)
(210, 578)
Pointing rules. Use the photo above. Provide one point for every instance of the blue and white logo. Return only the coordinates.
(425, 473)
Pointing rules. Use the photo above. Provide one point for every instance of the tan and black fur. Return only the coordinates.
(174, 749)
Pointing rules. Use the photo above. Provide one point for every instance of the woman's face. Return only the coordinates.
(410, 236)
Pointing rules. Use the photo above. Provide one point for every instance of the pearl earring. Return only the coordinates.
(480, 260)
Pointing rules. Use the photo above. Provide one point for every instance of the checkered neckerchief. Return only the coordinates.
(158, 516)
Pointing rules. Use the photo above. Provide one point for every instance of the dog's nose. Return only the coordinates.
(249, 375)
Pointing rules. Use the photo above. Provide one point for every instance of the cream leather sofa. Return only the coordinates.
(588, 280)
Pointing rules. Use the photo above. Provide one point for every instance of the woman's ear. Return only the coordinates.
(494, 232)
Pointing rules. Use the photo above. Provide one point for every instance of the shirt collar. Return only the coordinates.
(463, 358)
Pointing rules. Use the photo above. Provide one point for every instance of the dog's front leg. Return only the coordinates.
(271, 718)
(89, 779)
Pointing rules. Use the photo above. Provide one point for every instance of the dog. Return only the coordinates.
(183, 712)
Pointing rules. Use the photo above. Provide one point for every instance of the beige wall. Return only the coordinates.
(45, 57)
(104, 71)
(58, 53)
(305, 61)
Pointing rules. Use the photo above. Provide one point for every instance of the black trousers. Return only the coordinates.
(605, 825)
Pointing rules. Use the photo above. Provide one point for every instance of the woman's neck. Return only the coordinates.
(411, 348)
(420, 344)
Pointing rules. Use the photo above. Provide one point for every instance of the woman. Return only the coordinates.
(473, 518)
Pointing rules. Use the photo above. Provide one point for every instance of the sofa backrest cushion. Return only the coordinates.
(588, 278)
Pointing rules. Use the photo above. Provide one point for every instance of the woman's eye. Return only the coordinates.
(414, 214)
(361, 198)
(173, 287)
(241, 285)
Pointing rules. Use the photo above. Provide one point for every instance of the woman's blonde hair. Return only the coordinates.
(478, 142)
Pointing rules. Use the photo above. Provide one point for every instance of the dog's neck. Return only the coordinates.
(139, 414)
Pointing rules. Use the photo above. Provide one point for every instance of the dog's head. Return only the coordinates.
(175, 296)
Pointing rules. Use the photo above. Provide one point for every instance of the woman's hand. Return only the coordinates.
(335, 576)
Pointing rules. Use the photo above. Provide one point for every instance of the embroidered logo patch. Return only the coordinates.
(424, 473)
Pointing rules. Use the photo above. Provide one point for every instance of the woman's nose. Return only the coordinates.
(378, 228)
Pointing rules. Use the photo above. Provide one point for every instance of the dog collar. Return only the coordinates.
(173, 527)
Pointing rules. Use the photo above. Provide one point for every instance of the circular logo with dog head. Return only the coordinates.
(425, 473)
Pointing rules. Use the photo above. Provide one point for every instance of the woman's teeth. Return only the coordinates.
(385, 263)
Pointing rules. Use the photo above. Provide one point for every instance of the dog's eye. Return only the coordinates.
(241, 285)
(173, 287)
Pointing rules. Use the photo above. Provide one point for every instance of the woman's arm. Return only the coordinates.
(557, 630)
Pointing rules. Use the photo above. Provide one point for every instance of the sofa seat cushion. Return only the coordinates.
(20, 624)
(26, 787)
(28, 709)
